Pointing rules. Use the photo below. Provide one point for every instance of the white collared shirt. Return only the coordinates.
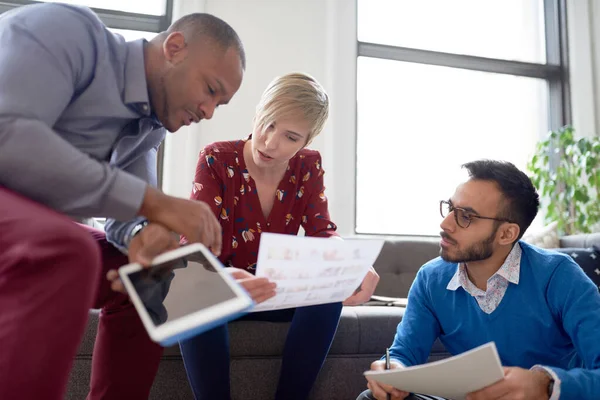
(497, 284)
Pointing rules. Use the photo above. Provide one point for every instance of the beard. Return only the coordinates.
(476, 252)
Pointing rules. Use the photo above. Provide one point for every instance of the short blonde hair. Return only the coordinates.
(294, 94)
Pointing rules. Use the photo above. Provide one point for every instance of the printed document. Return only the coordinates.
(311, 270)
(451, 378)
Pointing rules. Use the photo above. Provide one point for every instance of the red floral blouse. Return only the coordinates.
(223, 182)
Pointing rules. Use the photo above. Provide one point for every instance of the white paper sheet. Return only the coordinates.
(452, 378)
(310, 270)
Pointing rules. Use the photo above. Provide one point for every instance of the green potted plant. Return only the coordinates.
(565, 170)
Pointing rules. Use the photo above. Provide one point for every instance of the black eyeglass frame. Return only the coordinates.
(469, 215)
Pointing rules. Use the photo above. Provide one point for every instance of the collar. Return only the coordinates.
(136, 86)
(509, 270)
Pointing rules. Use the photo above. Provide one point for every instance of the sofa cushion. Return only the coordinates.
(399, 261)
(362, 330)
(588, 259)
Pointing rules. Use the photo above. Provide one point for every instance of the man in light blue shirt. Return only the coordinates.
(82, 113)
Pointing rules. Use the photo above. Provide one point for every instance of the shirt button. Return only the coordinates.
(145, 107)
(268, 224)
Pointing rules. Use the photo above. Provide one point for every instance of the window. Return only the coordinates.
(442, 83)
(150, 7)
(133, 18)
(133, 35)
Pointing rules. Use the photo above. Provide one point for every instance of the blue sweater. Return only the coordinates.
(552, 318)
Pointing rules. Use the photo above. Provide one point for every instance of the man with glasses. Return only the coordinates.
(538, 306)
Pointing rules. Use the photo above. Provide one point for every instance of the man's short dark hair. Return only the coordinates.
(520, 200)
(199, 25)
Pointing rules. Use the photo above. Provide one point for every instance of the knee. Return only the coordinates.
(320, 312)
(329, 310)
(335, 307)
(68, 246)
(70, 236)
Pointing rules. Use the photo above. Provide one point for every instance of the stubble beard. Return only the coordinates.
(164, 106)
(477, 252)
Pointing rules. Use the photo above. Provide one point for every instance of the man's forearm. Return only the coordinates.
(153, 203)
(37, 163)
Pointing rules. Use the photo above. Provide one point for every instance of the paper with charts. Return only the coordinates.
(311, 270)
(451, 378)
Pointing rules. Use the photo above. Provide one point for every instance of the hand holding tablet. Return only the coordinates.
(183, 293)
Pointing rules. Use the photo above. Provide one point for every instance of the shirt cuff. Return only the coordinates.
(117, 232)
(398, 361)
(556, 387)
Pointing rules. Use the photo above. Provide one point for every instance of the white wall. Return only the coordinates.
(583, 21)
(182, 147)
(280, 36)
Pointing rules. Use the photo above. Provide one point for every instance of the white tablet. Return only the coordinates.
(183, 293)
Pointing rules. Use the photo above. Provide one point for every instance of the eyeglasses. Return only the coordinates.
(463, 217)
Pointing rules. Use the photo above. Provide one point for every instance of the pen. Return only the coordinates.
(387, 366)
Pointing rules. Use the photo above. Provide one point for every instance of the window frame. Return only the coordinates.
(555, 71)
(114, 18)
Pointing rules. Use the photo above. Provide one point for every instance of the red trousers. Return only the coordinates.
(52, 271)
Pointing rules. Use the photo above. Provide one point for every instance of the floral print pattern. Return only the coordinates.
(222, 181)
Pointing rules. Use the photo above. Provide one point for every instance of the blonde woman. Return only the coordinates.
(270, 182)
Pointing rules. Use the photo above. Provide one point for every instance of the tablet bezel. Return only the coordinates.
(191, 324)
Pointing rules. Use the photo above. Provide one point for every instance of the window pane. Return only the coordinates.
(133, 35)
(151, 7)
(418, 123)
(505, 29)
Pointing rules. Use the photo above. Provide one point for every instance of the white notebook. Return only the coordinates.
(452, 378)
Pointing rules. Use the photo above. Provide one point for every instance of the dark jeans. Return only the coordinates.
(367, 395)
(206, 356)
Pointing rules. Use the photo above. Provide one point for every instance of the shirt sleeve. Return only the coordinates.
(316, 220)
(208, 183)
(576, 302)
(145, 168)
(419, 327)
(47, 57)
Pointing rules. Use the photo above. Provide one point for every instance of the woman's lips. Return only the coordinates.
(264, 156)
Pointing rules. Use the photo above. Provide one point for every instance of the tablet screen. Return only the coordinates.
(179, 287)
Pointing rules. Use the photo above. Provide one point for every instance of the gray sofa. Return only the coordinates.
(362, 336)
